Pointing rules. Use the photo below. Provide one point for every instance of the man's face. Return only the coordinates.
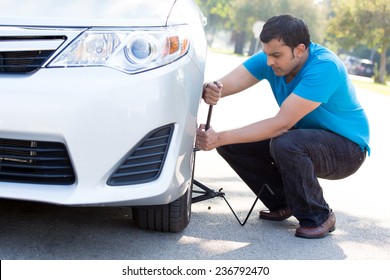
(281, 58)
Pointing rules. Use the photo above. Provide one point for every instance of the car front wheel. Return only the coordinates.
(172, 217)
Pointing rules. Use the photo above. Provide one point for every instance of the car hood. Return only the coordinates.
(77, 13)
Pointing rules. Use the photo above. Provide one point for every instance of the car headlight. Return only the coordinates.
(131, 51)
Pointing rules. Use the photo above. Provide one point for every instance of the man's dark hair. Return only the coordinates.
(293, 31)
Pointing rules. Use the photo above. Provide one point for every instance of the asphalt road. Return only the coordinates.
(32, 231)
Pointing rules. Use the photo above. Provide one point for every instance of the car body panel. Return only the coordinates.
(75, 13)
(101, 113)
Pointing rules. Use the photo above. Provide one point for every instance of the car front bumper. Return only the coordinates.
(100, 115)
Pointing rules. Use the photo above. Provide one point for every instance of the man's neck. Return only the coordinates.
(299, 66)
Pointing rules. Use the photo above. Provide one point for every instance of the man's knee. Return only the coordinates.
(231, 150)
(222, 150)
(284, 145)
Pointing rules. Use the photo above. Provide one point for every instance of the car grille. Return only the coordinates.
(35, 162)
(145, 162)
(25, 55)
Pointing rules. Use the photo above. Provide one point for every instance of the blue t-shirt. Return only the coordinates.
(323, 78)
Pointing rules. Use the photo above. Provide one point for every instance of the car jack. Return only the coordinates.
(206, 193)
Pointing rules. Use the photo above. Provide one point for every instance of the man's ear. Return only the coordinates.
(300, 50)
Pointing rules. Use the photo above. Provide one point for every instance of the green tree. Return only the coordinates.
(247, 12)
(218, 13)
(238, 16)
(367, 22)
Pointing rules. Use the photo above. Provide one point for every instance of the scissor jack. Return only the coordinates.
(206, 193)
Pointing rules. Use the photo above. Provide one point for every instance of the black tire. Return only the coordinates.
(172, 217)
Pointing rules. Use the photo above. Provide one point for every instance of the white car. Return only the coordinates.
(99, 103)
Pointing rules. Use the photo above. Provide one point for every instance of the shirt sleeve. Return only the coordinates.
(257, 65)
(320, 81)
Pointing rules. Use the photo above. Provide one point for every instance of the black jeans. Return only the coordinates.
(291, 165)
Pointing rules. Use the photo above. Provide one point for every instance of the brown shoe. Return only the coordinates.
(278, 215)
(318, 232)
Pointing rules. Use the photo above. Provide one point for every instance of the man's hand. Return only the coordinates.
(206, 140)
(212, 92)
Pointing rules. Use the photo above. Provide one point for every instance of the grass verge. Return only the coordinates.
(370, 85)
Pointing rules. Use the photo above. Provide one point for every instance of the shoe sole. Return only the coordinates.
(332, 229)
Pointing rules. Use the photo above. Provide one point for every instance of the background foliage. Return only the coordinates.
(358, 27)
